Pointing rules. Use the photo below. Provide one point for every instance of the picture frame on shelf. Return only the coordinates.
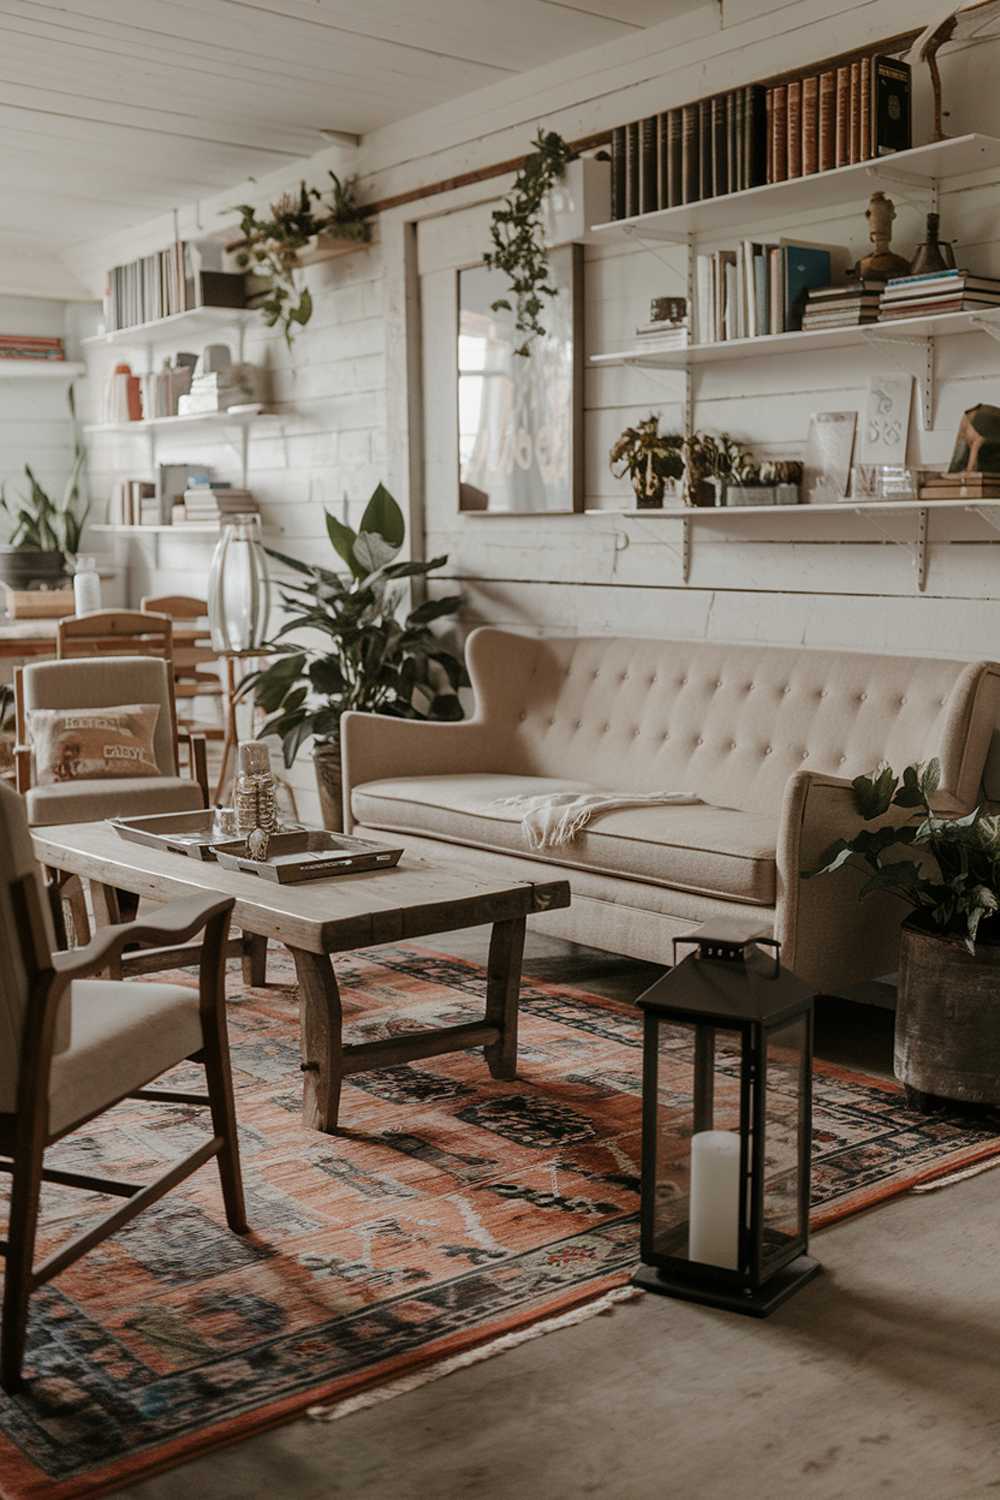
(829, 451)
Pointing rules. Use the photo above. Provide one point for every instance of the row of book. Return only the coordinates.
(28, 346)
(843, 115)
(686, 154)
(187, 274)
(757, 289)
(757, 134)
(210, 502)
(983, 485)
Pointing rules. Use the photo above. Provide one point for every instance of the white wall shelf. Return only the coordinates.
(807, 341)
(867, 510)
(195, 419)
(40, 369)
(922, 168)
(196, 323)
(186, 528)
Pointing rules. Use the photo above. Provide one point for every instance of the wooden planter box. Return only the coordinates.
(948, 1018)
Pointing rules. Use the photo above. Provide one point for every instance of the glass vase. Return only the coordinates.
(239, 587)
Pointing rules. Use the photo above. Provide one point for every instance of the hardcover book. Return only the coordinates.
(810, 125)
(690, 171)
(755, 135)
(854, 115)
(732, 149)
(675, 170)
(794, 106)
(618, 172)
(631, 170)
(720, 156)
(770, 135)
(649, 200)
(827, 120)
(842, 118)
(890, 106)
(704, 108)
(865, 109)
(779, 128)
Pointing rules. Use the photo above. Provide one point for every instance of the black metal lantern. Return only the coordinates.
(726, 1125)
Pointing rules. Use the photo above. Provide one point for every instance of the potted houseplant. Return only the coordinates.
(649, 458)
(277, 243)
(946, 873)
(44, 536)
(359, 652)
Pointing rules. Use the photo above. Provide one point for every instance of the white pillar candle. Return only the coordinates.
(714, 1234)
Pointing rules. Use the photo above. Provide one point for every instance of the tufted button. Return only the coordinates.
(718, 683)
(682, 682)
(522, 716)
(604, 728)
(595, 674)
(804, 755)
(767, 749)
(552, 723)
(749, 687)
(652, 680)
(635, 732)
(785, 690)
(700, 741)
(577, 724)
(821, 693)
(732, 744)
(902, 700)
(843, 759)
(862, 697)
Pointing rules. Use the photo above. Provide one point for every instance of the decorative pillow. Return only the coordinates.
(93, 744)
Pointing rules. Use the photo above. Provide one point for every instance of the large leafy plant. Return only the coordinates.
(954, 886)
(368, 658)
(518, 236)
(271, 245)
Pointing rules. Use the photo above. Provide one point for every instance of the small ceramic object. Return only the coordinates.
(258, 843)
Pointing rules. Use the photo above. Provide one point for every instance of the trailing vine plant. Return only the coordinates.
(271, 246)
(518, 236)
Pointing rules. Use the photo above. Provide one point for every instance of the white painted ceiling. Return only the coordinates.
(113, 111)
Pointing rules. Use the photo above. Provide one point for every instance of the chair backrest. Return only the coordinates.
(727, 722)
(105, 683)
(195, 649)
(17, 861)
(176, 606)
(114, 632)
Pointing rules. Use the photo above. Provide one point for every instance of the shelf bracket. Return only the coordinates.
(919, 192)
(918, 548)
(686, 549)
(926, 378)
(987, 326)
(991, 517)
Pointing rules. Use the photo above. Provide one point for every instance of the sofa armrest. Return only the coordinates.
(375, 747)
(828, 935)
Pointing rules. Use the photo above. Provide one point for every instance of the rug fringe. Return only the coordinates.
(407, 1383)
(959, 1176)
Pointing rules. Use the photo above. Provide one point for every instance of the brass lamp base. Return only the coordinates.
(776, 1290)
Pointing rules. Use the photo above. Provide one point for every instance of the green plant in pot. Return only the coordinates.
(946, 874)
(43, 535)
(362, 651)
(273, 243)
(649, 458)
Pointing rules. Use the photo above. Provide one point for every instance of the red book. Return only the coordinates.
(827, 111)
(779, 128)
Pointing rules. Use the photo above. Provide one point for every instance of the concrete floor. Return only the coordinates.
(881, 1378)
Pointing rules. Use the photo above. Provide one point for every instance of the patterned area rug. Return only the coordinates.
(452, 1211)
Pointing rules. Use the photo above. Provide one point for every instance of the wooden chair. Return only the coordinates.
(71, 1046)
(194, 657)
(115, 632)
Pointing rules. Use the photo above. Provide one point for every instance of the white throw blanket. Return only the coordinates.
(553, 819)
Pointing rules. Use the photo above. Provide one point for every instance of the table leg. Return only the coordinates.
(107, 913)
(254, 960)
(322, 1048)
(503, 991)
(232, 734)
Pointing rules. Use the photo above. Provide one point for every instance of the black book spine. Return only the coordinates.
(631, 171)
(732, 154)
(649, 200)
(618, 172)
(890, 110)
(675, 167)
(739, 115)
(704, 148)
(662, 161)
(690, 170)
(720, 155)
(755, 133)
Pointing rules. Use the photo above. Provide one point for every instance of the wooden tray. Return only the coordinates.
(191, 833)
(308, 854)
(39, 604)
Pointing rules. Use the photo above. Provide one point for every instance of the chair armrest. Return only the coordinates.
(375, 747)
(22, 768)
(172, 924)
(828, 935)
(198, 762)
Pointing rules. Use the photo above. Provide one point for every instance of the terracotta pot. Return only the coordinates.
(329, 783)
(948, 1018)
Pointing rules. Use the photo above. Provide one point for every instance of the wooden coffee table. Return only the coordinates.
(320, 918)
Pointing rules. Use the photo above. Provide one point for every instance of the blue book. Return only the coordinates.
(805, 267)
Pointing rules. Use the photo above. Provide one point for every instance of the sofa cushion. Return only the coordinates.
(88, 801)
(709, 850)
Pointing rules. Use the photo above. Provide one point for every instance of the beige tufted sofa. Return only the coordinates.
(767, 737)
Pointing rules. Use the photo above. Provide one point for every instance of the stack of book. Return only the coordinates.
(848, 306)
(662, 335)
(843, 115)
(692, 152)
(757, 289)
(963, 486)
(26, 346)
(208, 504)
(167, 282)
(217, 390)
(938, 292)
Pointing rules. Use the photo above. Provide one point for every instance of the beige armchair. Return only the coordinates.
(71, 1046)
(105, 683)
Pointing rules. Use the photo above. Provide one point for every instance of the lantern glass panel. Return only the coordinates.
(784, 1210)
(697, 1209)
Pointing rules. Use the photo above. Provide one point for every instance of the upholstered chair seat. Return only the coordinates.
(88, 801)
